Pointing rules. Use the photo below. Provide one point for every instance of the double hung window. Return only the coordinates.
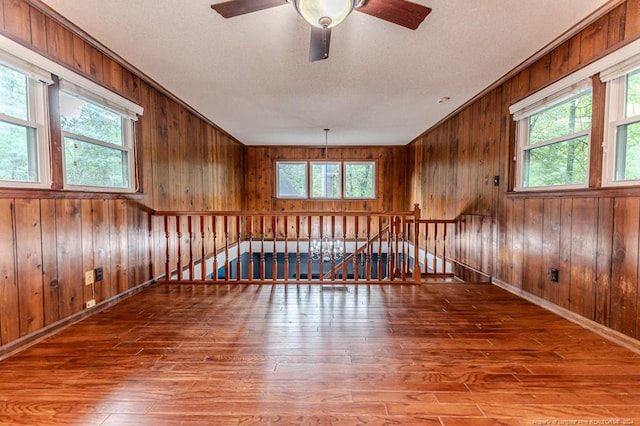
(23, 129)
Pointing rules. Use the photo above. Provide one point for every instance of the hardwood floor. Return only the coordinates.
(441, 354)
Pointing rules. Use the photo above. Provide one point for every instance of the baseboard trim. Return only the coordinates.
(606, 332)
(51, 329)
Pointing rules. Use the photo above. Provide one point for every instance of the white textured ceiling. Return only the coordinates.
(251, 76)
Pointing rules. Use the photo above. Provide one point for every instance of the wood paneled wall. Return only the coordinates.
(591, 237)
(48, 239)
(391, 163)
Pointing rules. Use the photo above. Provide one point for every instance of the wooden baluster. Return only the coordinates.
(297, 248)
(427, 235)
(379, 264)
(238, 253)
(274, 255)
(417, 273)
(203, 259)
(167, 268)
(367, 258)
(215, 246)
(435, 248)
(444, 248)
(286, 248)
(356, 272)
(262, 255)
(309, 264)
(179, 255)
(226, 247)
(390, 248)
(321, 261)
(345, 269)
(333, 248)
(249, 220)
(403, 241)
(190, 231)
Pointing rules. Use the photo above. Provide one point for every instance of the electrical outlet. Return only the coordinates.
(554, 275)
(88, 278)
(91, 303)
(99, 274)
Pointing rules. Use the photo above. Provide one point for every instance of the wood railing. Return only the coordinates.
(250, 247)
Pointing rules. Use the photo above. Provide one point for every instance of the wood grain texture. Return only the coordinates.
(592, 240)
(442, 353)
(51, 243)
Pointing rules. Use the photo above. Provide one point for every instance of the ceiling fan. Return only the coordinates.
(326, 14)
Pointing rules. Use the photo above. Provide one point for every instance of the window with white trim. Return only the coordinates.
(359, 179)
(291, 179)
(24, 153)
(622, 135)
(326, 179)
(98, 144)
(96, 126)
(553, 137)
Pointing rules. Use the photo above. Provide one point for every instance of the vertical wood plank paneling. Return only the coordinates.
(632, 19)
(17, 21)
(93, 62)
(533, 280)
(101, 245)
(70, 251)
(51, 288)
(88, 290)
(38, 29)
(615, 30)
(624, 271)
(9, 314)
(561, 292)
(1, 15)
(59, 42)
(604, 254)
(594, 39)
(583, 253)
(540, 72)
(118, 247)
(564, 58)
(29, 265)
(517, 247)
(77, 53)
(112, 72)
(551, 233)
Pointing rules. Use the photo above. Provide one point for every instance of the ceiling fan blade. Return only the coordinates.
(400, 12)
(232, 8)
(319, 48)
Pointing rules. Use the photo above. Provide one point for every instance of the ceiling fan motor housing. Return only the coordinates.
(325, 13)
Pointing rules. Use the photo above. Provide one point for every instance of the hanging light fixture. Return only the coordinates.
(325, 13)
(326, 249)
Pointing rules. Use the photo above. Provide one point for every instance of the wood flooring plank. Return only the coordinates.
(445, 353)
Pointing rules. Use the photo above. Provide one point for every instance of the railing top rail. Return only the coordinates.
(281, 213)
(437, 221)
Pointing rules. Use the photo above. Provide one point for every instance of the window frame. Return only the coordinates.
(277, 179)
(615, 117)
(523, 135)
(127, 128)
(342, 163)
(51, 78)
(37, 119)
(373, 179)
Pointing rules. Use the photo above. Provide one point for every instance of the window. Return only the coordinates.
(97, 144)
(326, 179)
(359, 179)
(555, 149)
(622, 142)
(291, 179)
(23, 129)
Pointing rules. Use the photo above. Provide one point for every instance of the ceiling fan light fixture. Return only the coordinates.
(325, 13)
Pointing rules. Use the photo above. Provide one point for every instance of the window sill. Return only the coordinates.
(67, 194)
(627, 191)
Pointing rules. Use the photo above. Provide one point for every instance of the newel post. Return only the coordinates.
(417, 274)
